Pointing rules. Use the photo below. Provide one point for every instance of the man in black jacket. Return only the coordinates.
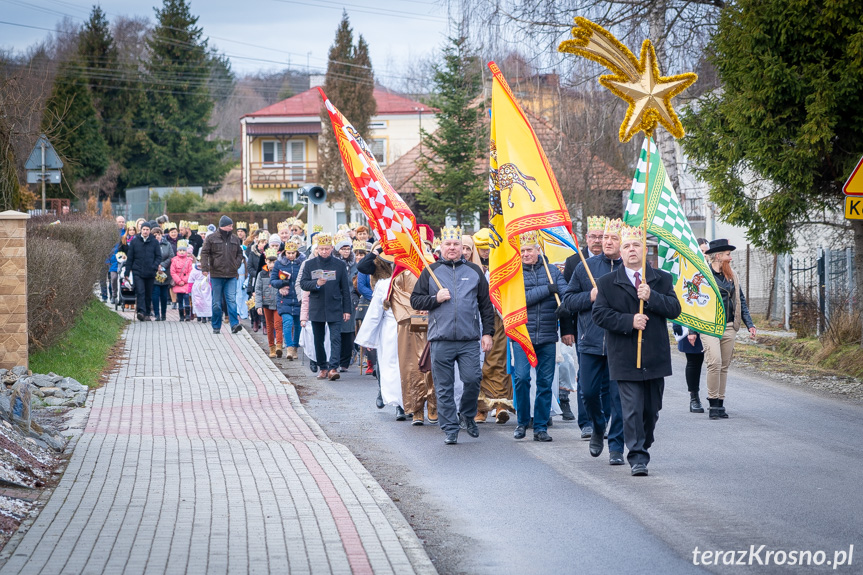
(455, 332)
(326, 279)
(144, 257)
(617, 311)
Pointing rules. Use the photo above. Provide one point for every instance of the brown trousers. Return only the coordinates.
(417, 387)
(495, 389)
(274, 326)
(717, 356)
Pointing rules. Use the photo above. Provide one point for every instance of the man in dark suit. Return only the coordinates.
(144, 257)
(617, 311)
(326, 280)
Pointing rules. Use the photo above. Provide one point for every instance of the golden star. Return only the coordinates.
(637, 82)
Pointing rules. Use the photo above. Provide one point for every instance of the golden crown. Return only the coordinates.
(130, 226)
(253, 227)
(202, 229)
(184, 224)
(292, 246)
(241, 226)
(629, 234)
(182, 244)
(529, 238)
(324, 239)
(193, 225)
(318, 228)
(613, 226)
(285, 225)
(360, 246)
(436, 243)
(354, 225)
(271, 253)
(447, 233)
(596, 222)
(343, 227)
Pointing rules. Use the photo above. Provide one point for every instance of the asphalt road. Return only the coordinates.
(784, 471)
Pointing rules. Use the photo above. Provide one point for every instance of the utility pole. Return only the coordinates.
(43, 142)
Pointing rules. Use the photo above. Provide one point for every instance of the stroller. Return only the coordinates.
(126, 299)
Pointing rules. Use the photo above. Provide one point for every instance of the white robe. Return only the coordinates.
(380, 331)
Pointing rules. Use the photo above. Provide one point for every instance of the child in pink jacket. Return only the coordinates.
(181, 269)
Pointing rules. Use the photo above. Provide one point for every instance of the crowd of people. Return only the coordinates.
(435, 343)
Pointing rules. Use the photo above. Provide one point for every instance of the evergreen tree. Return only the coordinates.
(108, 80)
(349, 84)
(779, 140)
(71, 119)
(451, 183)
(170, 143)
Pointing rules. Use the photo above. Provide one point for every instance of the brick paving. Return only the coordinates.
(198, 458)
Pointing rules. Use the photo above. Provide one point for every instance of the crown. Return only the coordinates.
(629, 234)
(130, 226)
(170, 226)
(271, 253)
(253, 227)
(360, 246)
(182, 244)
(292, 246)
(353, 225)
(241, 226)
(184, 224)
(318, 228)
(436, 243)
(596, 222)
(193, 225)
(324, 239)
(284, 225)
(447, 233)
(340, 237)
(613, 226)
(343, 227)
(529, 238)
(202, 229)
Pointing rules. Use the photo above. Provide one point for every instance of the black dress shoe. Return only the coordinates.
(520, 432)
(313, 366)
(379, 402)
(586, 432)
(236, 328)
(615, 458)
(217, 331)
(451, 438)
(639, 469)
(541, 436)
(469, 425)
(400, 413)
(140, 316)
(596, 444)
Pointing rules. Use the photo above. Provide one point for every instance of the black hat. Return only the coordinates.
(225, 221)
(720, 246)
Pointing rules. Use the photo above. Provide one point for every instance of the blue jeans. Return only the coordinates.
(291, 330)
(545, 355)
(160, 299)
(594, 380)
(228, 288)
(184, 302)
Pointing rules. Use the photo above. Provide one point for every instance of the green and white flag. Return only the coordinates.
(678, 249)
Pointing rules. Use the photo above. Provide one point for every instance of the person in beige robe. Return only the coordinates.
(417, 387)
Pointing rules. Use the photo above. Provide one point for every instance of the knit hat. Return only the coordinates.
(211, 229)
(342, 243)
(225, 221)
(147, 225)
(275, 240)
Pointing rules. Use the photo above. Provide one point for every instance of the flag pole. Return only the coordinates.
(584, 262)
(644, 248)
(548, 272)
(419, 251)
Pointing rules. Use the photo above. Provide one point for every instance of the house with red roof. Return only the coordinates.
(280, 145)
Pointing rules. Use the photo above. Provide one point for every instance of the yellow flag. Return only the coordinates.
(523, 196)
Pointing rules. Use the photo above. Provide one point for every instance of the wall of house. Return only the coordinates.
(402, 132)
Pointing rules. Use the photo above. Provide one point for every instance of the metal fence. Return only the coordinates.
(821, 286)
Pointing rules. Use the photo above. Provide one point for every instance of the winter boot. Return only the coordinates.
(695, 403)
(720, 406)
(272, 351)
(713, 410)
(278, 350)
(568, 415)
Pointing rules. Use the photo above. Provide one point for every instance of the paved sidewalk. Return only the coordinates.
(199, 458)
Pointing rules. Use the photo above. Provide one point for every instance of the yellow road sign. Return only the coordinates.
(854, 185)
(853, 208)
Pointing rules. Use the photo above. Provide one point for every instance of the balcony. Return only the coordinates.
(271, 175)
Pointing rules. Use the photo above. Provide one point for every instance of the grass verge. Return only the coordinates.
(791, 355)
(85, 350)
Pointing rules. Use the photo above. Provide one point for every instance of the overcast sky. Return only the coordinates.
(281, 31)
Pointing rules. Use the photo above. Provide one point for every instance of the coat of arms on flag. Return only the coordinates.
(678, 250)
(386, 211)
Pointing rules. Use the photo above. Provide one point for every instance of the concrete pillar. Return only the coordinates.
(13, 289)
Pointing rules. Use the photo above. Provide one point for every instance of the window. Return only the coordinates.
(271, 152)
(379, 150)
(296, 156)
(377, 125)
(289, 196)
